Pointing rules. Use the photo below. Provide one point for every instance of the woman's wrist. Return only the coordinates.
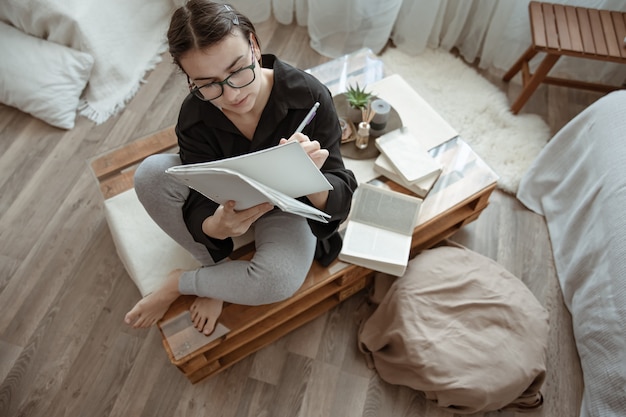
(319, 199)
(209, 229)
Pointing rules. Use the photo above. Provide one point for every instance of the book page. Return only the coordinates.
(372, 242)
(375, 248)
(385, 208)
(286, 168)
(222, 185)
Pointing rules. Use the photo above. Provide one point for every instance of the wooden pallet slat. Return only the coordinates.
(120, 159)
(619, 22)
(597, 32)
(562, 27)
(537, 26)
(585, 31)
(112, 186)
(574, 29)
(549, 21)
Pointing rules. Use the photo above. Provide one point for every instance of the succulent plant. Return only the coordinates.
(357, 97)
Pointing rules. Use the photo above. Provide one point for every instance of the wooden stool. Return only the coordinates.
(242, 330)
(574, 31)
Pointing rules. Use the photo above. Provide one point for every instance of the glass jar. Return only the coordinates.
(362, 135)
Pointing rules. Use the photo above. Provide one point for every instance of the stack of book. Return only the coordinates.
(380, 228)
(404, 160)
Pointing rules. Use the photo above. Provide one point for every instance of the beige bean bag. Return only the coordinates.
(463, 330)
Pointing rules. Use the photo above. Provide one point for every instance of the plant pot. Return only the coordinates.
(353, 114)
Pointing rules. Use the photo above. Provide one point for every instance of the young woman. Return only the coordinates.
(239, 102)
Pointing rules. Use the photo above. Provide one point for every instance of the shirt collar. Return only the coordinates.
(289, 91)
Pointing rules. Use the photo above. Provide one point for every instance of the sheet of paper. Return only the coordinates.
(222, 185)
(285, 168)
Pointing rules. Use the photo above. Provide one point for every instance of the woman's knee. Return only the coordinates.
(281, 278)
(152, 169)
(151, 180)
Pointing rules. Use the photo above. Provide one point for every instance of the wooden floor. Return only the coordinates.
(64, 350)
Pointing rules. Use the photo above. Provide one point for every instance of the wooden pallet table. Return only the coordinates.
(453, 203)
(578, 32)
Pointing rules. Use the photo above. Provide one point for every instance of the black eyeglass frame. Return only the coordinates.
(226, 81)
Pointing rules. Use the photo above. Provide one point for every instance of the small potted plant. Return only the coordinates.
(358, 100)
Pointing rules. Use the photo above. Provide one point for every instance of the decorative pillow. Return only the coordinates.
(42, 78)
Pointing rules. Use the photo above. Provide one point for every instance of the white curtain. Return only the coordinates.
(495, 31)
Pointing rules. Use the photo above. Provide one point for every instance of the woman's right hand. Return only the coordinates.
(227, 222)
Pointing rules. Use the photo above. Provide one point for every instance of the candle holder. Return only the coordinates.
(381, 110)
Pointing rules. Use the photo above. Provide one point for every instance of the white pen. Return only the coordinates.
(310, 115)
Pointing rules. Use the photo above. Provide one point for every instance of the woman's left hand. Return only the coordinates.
(311, 147)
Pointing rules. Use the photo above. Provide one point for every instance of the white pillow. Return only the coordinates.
(42, 78)
(148, 254)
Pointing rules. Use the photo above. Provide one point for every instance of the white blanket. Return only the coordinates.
(578, 183)
(125, 38)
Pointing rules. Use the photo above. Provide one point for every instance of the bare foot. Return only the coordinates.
(154, 305)
(204, 314)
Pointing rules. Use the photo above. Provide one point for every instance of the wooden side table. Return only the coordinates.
(561, 30)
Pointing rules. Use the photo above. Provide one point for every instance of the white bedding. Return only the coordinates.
(578, 183)
(124, 37)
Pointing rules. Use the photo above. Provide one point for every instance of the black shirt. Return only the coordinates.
(206, 134)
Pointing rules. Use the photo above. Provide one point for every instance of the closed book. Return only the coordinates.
(420, 188)
(407, 155)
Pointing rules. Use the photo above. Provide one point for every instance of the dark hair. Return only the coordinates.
(202, 23)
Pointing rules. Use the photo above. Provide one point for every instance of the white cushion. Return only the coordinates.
(42, 78)
(147, 252)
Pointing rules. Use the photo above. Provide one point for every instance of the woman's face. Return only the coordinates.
(220, 61)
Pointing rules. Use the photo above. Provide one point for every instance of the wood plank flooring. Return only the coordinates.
(64, 350)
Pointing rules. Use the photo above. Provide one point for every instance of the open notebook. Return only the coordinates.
(277, 175)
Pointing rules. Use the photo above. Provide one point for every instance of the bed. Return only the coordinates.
(60, 57)
(578, 184)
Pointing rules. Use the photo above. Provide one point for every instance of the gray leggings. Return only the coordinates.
(284, 244)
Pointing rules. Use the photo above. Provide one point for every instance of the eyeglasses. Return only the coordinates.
(238, 79)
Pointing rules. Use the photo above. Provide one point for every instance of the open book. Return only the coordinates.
(380, 229)
(277, 175)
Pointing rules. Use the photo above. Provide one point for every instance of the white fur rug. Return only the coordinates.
(477, 109)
